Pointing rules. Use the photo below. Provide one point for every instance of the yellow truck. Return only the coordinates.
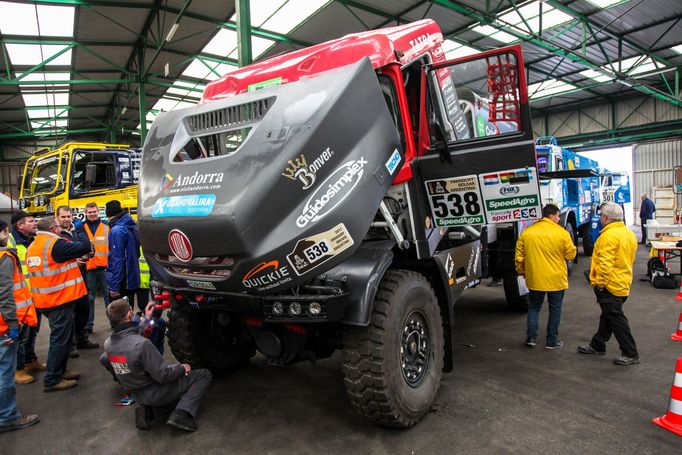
(77, 173)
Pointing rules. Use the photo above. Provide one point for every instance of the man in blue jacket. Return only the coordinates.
(646, 212)
(123, 268)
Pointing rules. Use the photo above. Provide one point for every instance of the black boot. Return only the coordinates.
(182, 420)
(143, 417)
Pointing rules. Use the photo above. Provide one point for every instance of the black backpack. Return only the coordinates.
(659, 274)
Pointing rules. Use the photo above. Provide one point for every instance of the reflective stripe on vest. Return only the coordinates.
(26, 312)
(21, 252)
(100, 241)
(144, 271)
(52, 283)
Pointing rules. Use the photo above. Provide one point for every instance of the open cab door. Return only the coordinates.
(480, 166)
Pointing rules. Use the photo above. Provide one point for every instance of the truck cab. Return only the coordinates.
(77, 173)
(318, 197)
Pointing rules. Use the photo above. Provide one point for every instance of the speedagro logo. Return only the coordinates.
(332, 192)
(300, 170)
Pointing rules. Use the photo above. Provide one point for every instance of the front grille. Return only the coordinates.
(229, 116)
(198, 267)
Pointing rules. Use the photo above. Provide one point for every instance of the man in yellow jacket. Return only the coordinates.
(613, 260)
(541, 254)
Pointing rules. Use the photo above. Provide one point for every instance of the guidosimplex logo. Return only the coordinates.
(260, 276)
(332, 192)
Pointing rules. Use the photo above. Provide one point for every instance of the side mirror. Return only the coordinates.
(90, 173)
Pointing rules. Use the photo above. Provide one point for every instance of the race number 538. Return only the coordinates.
(456, 204)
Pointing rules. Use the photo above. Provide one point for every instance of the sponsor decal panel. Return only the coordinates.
(266, 275)
(201, 285)
(393, 162)
(450, 269)
(189, 205)
(332, 192)
(511, 195)
(305, 173)
(313, 251)
(184, 183)
(455, 201)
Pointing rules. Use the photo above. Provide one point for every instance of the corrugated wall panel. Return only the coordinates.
(653, 163)
(564, 124)
(666, 112)
(8, 178)
(595, 118)
(635, 112)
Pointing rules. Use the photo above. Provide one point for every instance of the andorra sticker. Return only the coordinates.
(315, 250)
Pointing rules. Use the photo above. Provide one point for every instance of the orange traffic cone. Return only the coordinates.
(677, 336)
(672, 420)
(679, 294)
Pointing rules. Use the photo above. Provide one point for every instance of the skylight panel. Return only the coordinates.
(224, 42)
(261, 10)
(453, 49)
(643, 65)
(197, 69)
(258, 47)
(551, 17)
(33, 54)
(18, 19)
(35, 99)
(606, 3)
(487, 30)
(548, 87)
(49, 124)
(292, 14)
(596, 75)
(45, 77)
(55, 20)
(677, 49)
(40, 113)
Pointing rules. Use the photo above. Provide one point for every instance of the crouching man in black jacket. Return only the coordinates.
(139, 367)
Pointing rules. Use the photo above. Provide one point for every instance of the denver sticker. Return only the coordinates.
(314, 251)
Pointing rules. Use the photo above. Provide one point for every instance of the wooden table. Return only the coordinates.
(669, 251)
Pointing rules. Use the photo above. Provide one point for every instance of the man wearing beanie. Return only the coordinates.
(22, 232)
(123, 268)
(14, 294)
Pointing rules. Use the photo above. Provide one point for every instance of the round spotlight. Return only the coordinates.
(294, 308)
(315, 308)
(277, 308)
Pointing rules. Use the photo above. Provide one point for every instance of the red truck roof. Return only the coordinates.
(401, 44)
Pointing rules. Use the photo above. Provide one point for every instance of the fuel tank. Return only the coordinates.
(265, 190)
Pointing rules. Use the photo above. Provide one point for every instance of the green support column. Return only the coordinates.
(244, 32)
(141, 95)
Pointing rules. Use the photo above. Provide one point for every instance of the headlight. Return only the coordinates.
(277, 308)
(315, 308)
(295, 308)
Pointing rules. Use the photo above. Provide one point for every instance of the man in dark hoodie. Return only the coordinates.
(141, 370)
(123, 267)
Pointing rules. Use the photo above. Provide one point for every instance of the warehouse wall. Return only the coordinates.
(622, 114)
(652, 166)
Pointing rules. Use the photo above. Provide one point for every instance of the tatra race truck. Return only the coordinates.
(338, 198)
(77, 173)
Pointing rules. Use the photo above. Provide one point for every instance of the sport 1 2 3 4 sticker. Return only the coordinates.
(455, 201)
(511, 195)
(314, 251)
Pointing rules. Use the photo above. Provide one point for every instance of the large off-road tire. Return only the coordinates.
(512, 293)
(392, 368)
(208, 339)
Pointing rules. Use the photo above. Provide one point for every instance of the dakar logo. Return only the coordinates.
(266, 275)
(300, 170)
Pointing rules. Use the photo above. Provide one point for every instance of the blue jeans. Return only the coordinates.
(61, 338)
(96, 280)
(535, 299)
(8, 390)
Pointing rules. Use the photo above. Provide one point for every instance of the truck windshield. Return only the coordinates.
(43, 176)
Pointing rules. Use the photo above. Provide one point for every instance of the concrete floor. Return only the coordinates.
(503, 397)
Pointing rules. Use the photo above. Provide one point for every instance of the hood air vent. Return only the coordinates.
(228, 117)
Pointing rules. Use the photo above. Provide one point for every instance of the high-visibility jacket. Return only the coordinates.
(613, 259)
(541, 254)
(100, 241)
(52, 283)
(21, 252)
(26, 312)
(144, 272)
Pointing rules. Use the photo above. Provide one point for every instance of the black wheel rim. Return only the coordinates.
(415, 348)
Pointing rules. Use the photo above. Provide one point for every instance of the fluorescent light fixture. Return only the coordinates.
(606, 3)
(677, 48)
(172, 31)
(453, 49)
(124, 110)
(491, 32)
(33, 54)
(549, 87)
(292, 14)
(596, 75)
